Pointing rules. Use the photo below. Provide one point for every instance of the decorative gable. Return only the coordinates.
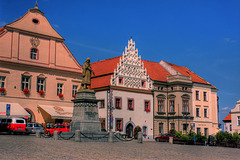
(130, 70)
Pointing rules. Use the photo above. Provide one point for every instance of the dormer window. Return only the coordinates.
(34, 53)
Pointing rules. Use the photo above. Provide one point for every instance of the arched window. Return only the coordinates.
(34, 53)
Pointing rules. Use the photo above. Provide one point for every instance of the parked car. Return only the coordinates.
(165, 138)
(32, 128)
(13, 125)
(59, 127)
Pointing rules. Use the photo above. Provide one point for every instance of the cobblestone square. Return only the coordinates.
(30, 147)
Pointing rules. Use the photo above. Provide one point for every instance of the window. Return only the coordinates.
(118, 103)
(197, 95)
(144, 130)
(185, 105)
(120, 80)
(206, 132)
(143, 84)
(173, 126)
(40, 84)
(101, 104)
(160, 128)
(205, 96)
(74, 90)
(160, 106)
(171, 105)
(198, 130)
(59, 88)
(102, 120)
(185, 127)
(119, 123)
(130, 104)
(205, 113)
(25, 82)
(147, 106)
(230, 127)
(2, 81)
(239, 120)
(34, 53)
(197, 112)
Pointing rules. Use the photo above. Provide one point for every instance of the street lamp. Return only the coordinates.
(185, 116)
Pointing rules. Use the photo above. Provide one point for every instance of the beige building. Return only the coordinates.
(37, 70)
(184, 102)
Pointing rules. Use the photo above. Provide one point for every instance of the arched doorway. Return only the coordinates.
(129, 130)
(32, 117)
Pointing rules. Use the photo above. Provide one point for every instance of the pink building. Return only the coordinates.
(37, 70)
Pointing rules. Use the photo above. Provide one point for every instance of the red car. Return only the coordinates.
(60, 128)
(165, 138)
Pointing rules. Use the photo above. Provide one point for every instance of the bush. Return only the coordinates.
(136, 130)
(173, 131)
(200, 138)
(178, 134)
(223, 137)
(236, 137)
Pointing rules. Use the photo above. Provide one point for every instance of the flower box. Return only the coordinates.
(60, 95)
(74, 96)
(26, 91)
(41, 92)
(147, 109)
(2, 90)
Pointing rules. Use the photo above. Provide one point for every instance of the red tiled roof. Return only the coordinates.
(228, 118)
(1, 30)
(106, 66)
(187, 72)
(155, 71)
(100, 81)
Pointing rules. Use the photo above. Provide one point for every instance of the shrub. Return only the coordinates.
(136, 130)
(236, 137)
(223, 137)
(172, 131)
(178, 134)
(186, 137)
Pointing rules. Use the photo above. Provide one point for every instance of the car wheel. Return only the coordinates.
(158, 140)
(9, 132)
(48, 133)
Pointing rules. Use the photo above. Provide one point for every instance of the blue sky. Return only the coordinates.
(203, 35)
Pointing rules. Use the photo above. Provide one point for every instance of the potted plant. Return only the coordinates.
(147, 109)
(74, 96)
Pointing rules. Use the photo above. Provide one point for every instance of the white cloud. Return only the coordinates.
(2, 23)
(56, 26)
(229, 40)
(225, 108)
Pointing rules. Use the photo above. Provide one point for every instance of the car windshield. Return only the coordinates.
(29, 125)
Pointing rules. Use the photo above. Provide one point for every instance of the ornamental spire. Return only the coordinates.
(36, 5)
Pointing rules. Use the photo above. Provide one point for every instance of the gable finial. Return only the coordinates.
(36, 5)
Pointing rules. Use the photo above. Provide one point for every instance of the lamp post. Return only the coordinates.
(185, 115)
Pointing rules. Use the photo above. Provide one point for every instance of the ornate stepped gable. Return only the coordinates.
(130, 70)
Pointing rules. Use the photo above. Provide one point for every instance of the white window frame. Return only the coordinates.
(59, 88)
(40, 85)
(74, 89)
(2, 81)
(34, 55)
(26, 82)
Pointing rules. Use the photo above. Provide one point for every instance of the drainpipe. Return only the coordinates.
(167, 112)
(153, 112)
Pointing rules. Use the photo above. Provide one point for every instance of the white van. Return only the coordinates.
(13, 125)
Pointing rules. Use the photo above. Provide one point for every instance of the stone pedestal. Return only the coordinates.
(85, 113)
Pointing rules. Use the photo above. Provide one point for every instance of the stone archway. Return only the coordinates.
(129, 130)
(32, 116)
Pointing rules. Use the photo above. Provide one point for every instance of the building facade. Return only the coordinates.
(125, 93)
(232, 120)
(37, 71)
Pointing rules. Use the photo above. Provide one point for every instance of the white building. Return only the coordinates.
(122, 83)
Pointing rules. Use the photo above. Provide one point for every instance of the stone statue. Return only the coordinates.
(87, 70)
